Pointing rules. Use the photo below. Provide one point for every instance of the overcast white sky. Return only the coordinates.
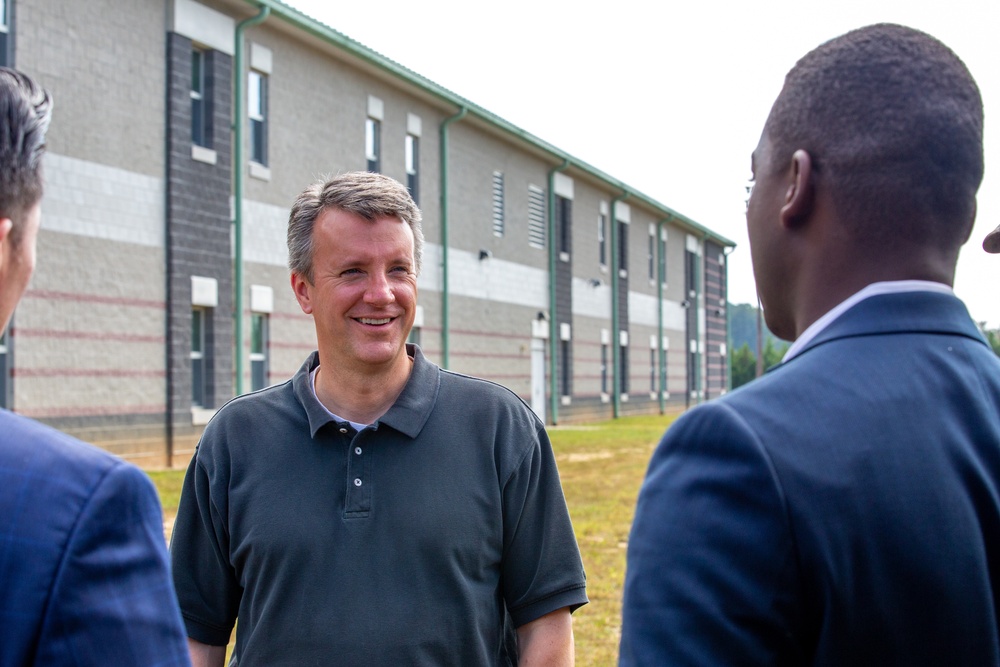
(668, 97)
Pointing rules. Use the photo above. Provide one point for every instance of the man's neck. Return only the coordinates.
(361, 397)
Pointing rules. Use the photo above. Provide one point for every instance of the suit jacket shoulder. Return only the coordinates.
(83, 571)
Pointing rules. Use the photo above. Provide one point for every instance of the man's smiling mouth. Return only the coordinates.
(372, 320)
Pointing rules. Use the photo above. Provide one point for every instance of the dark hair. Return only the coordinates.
(25, 111)
(363, 193)
(893, 122)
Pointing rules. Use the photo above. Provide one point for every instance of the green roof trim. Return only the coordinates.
(324, 32)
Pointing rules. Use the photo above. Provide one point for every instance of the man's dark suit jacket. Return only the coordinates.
(84, 576)
(842, 510)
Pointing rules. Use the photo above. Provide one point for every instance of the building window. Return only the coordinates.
(199, 134)
(623, 246)
(651, 255)
(564, 218)
(536, 217)
(5, 56)
(257, 111)
(566, 374)
(652, 370)
(373, 143)
(259, 347)
(498, 204)
(623, 365)
(604, 368)
(663, 257)
(198, 375)
(602, 239)
(413, 166)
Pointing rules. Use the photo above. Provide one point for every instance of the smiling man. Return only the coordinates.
(844, 509)
(375, 509)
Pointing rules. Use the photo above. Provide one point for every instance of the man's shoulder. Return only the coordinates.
(60, 473)
(260, 404)
(28, 444)
(476, 392)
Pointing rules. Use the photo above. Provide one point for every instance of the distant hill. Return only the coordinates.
(743, 327)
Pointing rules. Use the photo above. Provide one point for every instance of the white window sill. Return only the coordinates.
(202, 154)
(201, 416)
(259, 171)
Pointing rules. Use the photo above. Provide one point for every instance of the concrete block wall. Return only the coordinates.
(101, 343)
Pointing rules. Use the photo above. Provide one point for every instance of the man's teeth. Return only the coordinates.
(369, 320)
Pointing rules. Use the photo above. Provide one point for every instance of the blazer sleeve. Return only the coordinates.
(711, 569)
(112, 601)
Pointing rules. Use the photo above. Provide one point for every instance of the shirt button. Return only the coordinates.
(357, 450)
(357, 481)
(343, 430)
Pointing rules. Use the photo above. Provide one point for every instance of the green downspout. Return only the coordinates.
(660, 277)
(616, 353)
(238, 169)
(553, 325)
(445, 325)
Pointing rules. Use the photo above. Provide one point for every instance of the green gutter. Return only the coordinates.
(660, 278)
(445, 291)
(327, 34)
(238, 169)
(616, 353)
(553, 325)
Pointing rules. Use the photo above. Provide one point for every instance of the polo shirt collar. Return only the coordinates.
(407, 415)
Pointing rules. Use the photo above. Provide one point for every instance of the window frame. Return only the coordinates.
(373, 144)
(602, 239)
(199, 103)
(411, 150)
(257, 97)
(199, 378)
(260, 350)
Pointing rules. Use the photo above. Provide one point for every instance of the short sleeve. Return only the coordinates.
(207, 588)
(542, 568)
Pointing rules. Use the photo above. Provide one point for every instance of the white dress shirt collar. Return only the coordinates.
(875, 289)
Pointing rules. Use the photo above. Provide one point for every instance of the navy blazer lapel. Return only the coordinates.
(906, 312)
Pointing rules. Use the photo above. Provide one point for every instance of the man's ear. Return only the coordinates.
(301, 289)
(800, 194)
(6, 224)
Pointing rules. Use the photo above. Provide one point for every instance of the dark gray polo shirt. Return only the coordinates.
(422, 540)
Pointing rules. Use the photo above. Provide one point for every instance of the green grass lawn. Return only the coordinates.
(601, 466)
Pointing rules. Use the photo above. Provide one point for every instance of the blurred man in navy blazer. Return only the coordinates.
(845, 508)
(83, 562)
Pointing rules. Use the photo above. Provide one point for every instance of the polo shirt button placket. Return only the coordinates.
(358, 500)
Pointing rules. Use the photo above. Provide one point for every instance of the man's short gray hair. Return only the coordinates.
(363, 193)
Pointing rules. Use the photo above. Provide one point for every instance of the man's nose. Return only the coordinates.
(379, 289)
